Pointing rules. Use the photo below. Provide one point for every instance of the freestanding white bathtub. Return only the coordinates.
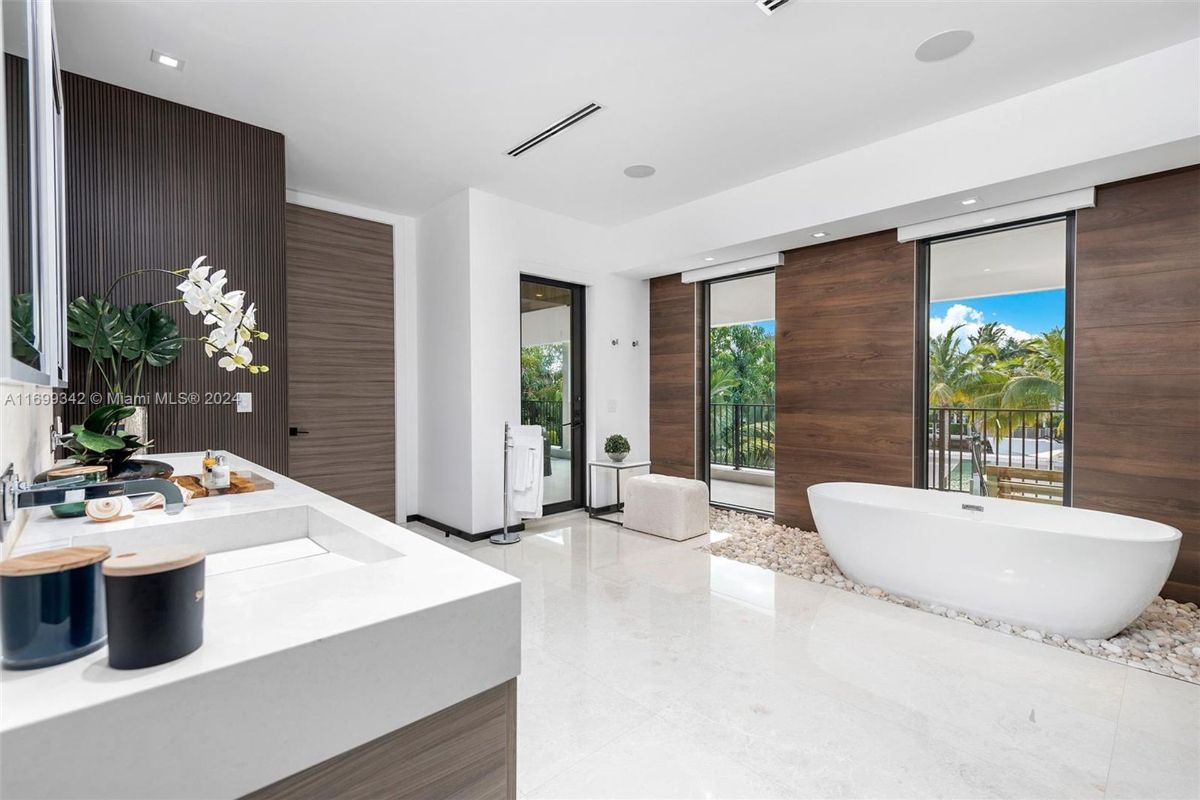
(1078, 573)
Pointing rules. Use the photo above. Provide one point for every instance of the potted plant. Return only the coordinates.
(122, 342)
(617, 447)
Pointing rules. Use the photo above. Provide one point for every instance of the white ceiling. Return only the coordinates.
(397, 105)
(1027, 259)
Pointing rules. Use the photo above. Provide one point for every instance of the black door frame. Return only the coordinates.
(578, 391)
(704, 465)
(921, 371)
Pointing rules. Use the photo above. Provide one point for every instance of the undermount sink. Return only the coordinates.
(257, 549)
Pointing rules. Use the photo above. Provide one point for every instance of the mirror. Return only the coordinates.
(24, 279)
(35, 301)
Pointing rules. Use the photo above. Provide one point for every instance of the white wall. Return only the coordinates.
(472, 251)
(26, 414)
(507, 240)
(444, 357)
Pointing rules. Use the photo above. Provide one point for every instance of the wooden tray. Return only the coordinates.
(239, 483)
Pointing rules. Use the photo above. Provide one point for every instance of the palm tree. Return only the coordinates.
(957, 376)
(1039, 381)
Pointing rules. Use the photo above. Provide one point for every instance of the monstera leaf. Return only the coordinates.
(139, 332)
(97, 326)
(151, 334)
(24, 346)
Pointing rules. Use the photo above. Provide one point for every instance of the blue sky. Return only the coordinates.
(1026, 314)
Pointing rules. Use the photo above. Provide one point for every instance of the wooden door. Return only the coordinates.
(341, 364)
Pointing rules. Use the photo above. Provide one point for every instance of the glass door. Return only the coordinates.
(552, 384)
(740, 366)
(996, 388)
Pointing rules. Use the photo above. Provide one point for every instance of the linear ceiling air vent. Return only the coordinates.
(769, 7)
(555, 129)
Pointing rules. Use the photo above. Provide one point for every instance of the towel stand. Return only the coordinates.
(506, 537)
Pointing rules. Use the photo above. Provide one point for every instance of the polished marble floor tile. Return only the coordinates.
(652, 669)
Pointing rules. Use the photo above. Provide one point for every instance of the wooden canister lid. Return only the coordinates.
(152, 560)
(44, 562)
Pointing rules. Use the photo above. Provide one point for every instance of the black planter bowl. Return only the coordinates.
(136, 469)
(132, 470)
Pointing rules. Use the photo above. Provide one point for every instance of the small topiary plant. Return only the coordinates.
(616, 446)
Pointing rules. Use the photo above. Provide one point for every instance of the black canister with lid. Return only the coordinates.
(155, 601)
(51, 606)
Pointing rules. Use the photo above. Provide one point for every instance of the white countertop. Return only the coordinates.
(290, 673)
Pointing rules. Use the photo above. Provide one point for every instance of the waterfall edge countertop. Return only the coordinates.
(350, 627)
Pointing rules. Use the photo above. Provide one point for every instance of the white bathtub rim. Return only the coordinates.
(1166, 533)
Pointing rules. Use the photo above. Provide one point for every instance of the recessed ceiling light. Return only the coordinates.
(709, 258)
(946, 44)
(820, 235)
(987, 269)
(159, 57)
(640, 171)
(969, 201)
(989, 220)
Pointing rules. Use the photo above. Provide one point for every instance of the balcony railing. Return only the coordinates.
(548, 414)
(1021, 451)
(741, 435)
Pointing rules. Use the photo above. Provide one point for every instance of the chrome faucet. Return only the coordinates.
(18, 494)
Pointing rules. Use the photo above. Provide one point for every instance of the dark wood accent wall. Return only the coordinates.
(466, 751)
(675, 324)
(844, 317)
(152, 183)
(1136, 445)
(341, 357)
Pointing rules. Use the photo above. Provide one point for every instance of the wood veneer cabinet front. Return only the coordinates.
(466, 752)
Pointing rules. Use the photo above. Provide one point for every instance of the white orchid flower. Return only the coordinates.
(239, 357)
(203, 295)
(196, 301)
(222, 337)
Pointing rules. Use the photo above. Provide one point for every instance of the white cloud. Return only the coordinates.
(970, 319)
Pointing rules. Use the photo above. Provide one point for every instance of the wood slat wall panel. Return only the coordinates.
(341, 357)
(844, 378)
(674, 331)
(152, 183)
(1136, 434)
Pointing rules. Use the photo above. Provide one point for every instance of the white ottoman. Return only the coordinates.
(675, 508)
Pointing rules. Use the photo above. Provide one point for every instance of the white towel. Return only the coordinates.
(525, 473)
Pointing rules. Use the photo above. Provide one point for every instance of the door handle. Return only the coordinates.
(294, 431)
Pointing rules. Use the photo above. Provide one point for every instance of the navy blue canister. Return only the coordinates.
(51, 606)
